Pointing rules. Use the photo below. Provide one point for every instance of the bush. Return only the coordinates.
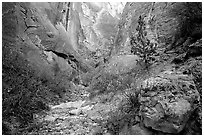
(125, 115)
(106, 83)
(21, 97)
(23, 94)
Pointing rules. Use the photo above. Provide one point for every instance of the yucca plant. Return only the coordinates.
(131, 104)
(125, 115)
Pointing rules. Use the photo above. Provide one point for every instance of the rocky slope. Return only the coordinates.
(102, 68)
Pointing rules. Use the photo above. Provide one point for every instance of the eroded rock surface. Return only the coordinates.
(167, 101)
(166, 23)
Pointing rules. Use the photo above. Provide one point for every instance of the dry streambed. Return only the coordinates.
(71, 118)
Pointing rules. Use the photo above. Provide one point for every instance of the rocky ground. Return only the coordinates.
(79, 117)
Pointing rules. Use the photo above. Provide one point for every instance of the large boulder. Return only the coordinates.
(122, 64)
(167, 101)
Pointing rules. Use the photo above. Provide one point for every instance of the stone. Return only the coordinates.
(75, 112)
(50, 118)
(169, 108)
(76, 104)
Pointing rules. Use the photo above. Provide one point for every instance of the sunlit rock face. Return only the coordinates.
(99, 23)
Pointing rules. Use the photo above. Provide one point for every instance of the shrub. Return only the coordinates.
(23, 94)
(20, 95)
(131, 105)
(106, 83)
(125, 115)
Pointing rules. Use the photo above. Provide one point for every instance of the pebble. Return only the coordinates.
(94, 124)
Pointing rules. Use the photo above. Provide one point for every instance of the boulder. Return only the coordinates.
(167, 101)
(122, 64)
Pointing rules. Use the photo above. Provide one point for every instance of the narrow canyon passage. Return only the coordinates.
(101, 68)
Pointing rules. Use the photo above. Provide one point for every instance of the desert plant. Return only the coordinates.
(125, 114)
(131, 105)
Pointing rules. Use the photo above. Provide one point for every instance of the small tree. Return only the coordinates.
(141, 45)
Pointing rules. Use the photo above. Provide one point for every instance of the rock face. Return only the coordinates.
(53, 33)
(39, 36)
(167, 101)
(99, 23)
(167, 23)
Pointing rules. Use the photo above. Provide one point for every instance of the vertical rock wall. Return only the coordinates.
(172, 23)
